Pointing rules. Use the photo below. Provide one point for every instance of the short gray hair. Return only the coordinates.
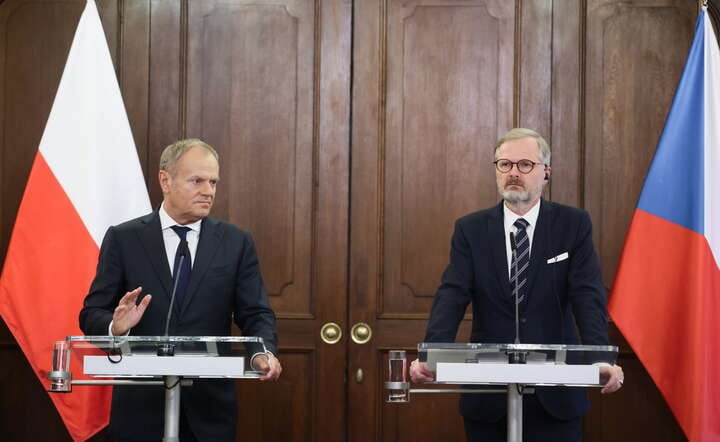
(172, 153)
(520, 132)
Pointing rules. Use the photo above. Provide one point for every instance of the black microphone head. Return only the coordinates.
(513, 244)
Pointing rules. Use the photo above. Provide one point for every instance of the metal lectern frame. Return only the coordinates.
(171, 361)
(518, 367)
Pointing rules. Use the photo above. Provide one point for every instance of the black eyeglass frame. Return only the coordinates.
(517, 165)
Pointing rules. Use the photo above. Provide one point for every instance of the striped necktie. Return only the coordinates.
(521, 261)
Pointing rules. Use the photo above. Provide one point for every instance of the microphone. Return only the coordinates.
(516, 357)
(168, 349)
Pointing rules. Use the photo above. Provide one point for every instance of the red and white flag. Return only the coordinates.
(85, 178)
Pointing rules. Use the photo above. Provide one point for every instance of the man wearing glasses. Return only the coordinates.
(561, 298)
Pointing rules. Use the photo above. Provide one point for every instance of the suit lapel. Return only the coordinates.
(152, 241)
(208, 244)
(496, 233)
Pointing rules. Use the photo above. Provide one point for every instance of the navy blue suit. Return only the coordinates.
(478, 274)
(225, 286)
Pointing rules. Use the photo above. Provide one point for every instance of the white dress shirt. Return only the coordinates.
(509, 219)
(172, 240)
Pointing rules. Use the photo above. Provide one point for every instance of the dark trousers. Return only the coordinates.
(185, 433)
(538, 426)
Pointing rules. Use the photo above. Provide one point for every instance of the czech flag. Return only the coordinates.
(85, 178)
(666, 296)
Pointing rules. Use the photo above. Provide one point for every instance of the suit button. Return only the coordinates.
(523, 320)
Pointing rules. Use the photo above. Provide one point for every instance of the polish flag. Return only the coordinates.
(666, 296)
(86, 177)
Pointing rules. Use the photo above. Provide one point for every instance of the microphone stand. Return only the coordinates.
(515, 391)
(516, 357)
(168, 349)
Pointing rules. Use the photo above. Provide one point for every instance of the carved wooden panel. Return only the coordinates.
(251, 72)
(635, 53)
(26, 412)
(637, 413)
(166, 90)
(27, 89)
(130, 47)
(564, 135)
(533, 58)
(449, 95)
(270, 420)
(441, 420)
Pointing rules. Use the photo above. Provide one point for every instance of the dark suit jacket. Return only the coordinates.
(478, 274)
(225, 285)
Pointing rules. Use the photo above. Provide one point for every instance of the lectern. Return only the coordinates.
(518, 367)
(171, 361)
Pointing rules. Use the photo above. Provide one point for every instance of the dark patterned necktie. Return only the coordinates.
(183, 277)
(521, 261)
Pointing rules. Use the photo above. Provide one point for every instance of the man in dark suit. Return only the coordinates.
(560, 291)
(224, 284)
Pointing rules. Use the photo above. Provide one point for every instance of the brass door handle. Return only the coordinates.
(361, 333)
(330, 333)
(359, 376)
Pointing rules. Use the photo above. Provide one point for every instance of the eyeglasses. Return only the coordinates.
(524, 166)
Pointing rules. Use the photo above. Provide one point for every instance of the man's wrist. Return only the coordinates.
(262, 353)
(602, 364)
(110, 330)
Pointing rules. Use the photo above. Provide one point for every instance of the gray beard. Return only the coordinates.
(514, 196)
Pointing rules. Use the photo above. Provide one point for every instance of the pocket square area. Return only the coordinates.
(561, 257)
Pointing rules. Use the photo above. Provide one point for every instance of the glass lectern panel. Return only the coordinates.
(432, 353)
(515, 366)
(151, 357)
(570, 365)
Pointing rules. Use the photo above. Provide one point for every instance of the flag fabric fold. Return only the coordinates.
(86, 177)
(665, 295)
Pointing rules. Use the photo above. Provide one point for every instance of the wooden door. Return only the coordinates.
(268, 83)
(422, 156)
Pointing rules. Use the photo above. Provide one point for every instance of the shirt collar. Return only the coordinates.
(166, 221)
(531, 216)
